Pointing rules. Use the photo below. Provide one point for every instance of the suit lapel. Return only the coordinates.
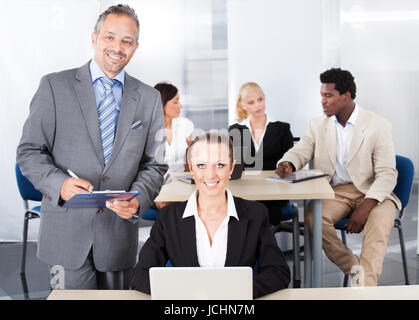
(130, 101)
(84, 91)
(187, 236)
(358, 135)
(247, 136)
(236, 236)
(330, 139)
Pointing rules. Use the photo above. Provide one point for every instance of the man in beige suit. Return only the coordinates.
(354, 146)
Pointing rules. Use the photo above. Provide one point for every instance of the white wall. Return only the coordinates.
(278, 44)
(284, 45)
(160, 55)
(379, 44)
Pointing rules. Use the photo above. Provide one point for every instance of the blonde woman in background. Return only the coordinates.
(263, 141)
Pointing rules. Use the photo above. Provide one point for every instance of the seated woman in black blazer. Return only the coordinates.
(213, 228)
(262, 141)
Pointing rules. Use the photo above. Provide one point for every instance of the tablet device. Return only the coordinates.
(187, 178)
(298, 176)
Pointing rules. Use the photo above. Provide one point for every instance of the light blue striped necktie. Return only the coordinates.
(107, 115)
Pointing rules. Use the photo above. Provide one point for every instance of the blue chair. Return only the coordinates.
(28, 193)
(402, 190)
(150, 214)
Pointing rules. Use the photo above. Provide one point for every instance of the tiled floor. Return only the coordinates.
(12, 285)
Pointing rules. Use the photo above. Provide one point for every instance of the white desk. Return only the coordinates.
(98, 295)
(366, 293)
(255, 187)
(363, 293)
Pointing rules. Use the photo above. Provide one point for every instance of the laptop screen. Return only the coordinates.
(196, 283)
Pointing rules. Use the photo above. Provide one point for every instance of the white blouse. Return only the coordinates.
(246, 122)
(176, 151)
(211, 255)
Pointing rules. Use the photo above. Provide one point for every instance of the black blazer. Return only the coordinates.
(276, 141)
(250, 240)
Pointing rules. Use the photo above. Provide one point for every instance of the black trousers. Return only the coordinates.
(275, 210)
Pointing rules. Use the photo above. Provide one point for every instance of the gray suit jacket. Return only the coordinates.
(62, 132)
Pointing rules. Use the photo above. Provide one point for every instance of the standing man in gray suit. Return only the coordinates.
(100, 123)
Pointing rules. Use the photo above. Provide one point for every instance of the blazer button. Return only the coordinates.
(99, 211)
(105, 178)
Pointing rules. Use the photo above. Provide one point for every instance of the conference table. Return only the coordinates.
(347, 293)
(253, 185)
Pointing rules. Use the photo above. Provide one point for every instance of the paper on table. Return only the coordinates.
(298, 176)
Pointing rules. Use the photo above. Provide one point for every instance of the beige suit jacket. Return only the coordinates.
(371, 161)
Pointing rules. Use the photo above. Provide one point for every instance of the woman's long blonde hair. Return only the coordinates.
(244, 89)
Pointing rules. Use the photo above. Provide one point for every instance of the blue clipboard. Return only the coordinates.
(98, 199)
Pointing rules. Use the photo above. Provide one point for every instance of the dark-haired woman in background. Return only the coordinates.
(178, 130)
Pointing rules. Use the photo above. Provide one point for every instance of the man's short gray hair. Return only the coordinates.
(120, 9)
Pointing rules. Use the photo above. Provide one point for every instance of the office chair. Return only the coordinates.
(402, 190)
(150, 214)
(290, 212)
(27, 192)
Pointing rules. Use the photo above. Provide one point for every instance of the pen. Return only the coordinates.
(71, 173)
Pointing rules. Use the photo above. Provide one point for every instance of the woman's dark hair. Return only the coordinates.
(167, 91)
(343, 80)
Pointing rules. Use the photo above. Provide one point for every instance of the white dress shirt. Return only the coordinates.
(343, 143)
(211, 255)
(246, 122)
(176, 151)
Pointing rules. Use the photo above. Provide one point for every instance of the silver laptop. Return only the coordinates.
(196, 283)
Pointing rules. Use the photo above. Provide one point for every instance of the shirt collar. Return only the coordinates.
(191, 208)
(246, 122)
(352, 119)
(97, 72)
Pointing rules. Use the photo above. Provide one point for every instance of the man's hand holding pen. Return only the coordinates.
(74, 185)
